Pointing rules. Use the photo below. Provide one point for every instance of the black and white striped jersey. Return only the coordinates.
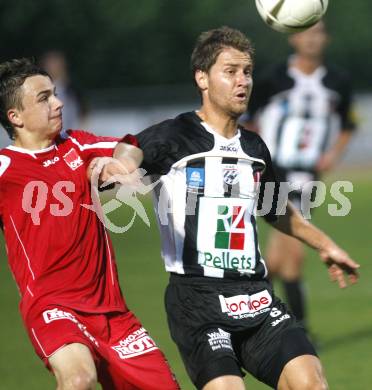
(206, 196)
(300, 115)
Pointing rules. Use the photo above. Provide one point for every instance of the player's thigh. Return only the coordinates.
(273, 252)
(133, 360)
(280, 339)
(226, 382)
(303, 373)
(283, 253)
(62, 340)
(206, 348)
(149, 371)
(291, 265)
(74, 367)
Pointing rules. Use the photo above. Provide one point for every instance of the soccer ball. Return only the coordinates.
(291, 15)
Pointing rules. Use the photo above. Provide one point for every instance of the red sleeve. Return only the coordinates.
(91, 145)
(131, 140)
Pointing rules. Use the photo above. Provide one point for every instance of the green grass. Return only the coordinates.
(341, 319)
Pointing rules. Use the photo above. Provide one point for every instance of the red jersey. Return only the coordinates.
(59, 251)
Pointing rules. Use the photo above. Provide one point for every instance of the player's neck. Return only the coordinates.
(306, 65)
(221, 123)
(32, 142)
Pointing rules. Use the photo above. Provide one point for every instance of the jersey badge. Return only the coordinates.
(230, 174)
(72, 159)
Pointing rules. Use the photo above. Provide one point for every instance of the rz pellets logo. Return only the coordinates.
(230, 232)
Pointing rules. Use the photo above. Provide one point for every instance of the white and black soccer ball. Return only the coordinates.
(290, 16)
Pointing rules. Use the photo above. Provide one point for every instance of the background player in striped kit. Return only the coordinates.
(302, 110)
(221, 309)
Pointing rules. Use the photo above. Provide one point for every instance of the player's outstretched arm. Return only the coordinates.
(126, 159)
(337, 260)
(129, 156)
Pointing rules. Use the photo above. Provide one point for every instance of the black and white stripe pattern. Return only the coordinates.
(206, 197)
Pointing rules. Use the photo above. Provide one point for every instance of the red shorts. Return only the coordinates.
(126, 357)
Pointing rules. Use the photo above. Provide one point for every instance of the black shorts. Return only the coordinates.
(222, 327)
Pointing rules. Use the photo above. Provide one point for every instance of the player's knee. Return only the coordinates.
(81, 380)
(291, 271)
(312, 383)
(84, 380)
(316, 386)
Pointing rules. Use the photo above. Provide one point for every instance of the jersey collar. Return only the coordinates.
(318, 73)
(219, 136)
(32, 153)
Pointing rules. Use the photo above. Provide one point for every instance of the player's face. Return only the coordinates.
(41, 111)
(229, 82)
(312, 42)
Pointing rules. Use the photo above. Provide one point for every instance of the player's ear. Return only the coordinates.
(14, 117)
(201, 79)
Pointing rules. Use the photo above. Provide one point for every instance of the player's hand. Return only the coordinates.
(326, 162)
(101, 167)
(340, 266)
(110, 170)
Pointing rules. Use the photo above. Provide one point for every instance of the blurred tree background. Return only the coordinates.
(120, 43)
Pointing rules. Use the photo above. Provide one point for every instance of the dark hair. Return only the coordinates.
(210, 44)
(13, 74)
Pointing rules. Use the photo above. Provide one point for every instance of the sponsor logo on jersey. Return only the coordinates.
(57, 314)
(229, 148)
(48, 163)
(230, 174)
(226, 260)
(231, 246)
(230, 233)
(195, 178)
(243, 306)
(220, 339)
(137, 343)
(72, 159)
